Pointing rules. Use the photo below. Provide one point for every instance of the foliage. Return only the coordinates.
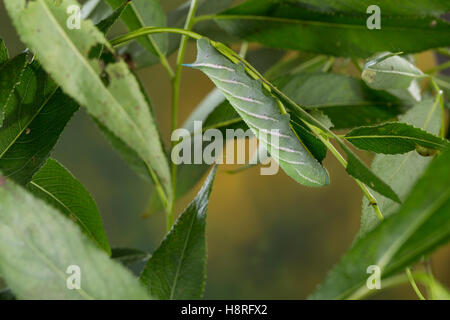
(298, 86)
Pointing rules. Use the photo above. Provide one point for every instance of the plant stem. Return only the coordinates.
(413, 284)
(175, 103)
(122, 40)
(372, 201)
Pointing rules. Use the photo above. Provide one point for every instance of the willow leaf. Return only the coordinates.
(394, 138)
(10, 75)
(420, 226)
(37, 246)
(106, 24)
(399, 7)
(262, 112)
(401, 171)
(36, 115)
(58, 187)
(118, 103)
(177, 269)
(294, 24)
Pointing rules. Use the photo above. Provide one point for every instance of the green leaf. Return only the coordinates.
(177, 269)
(348, 102)
(176, 19)
(421, 225)
(142, 13)
(314, 145)
(38, 244)
(394, 138)
(330, 29)
(118, 104)
(36, 115)
(4, 56)
(388, 71)
(262, 112)
(58, 187)
(106, 24)
(401, 171)
(399, 7)
(10, 75)
(129, 256)
(357, 169)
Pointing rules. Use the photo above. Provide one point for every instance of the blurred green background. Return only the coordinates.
(268, 237)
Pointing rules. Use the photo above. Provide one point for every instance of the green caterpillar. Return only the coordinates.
(263, 112)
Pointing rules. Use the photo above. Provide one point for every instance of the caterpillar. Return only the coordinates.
(262, 111)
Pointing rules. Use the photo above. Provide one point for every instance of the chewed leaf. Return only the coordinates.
(263, 113)
(115, 99)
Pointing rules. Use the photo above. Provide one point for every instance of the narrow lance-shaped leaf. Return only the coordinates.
(401, 171)
(177, 269)
(328, 29)
(36, 115)
(262, 112)
(394, 138)
(118, 104)
(421, 225)
(38, 245)
(10, 75)
(56, 185)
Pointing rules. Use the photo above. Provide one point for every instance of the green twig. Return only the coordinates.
(122, 40)
(413, 284)
(175, 103)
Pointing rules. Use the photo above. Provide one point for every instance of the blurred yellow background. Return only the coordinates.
(268, 237)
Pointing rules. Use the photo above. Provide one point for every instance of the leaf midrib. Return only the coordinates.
(177, 271)
(303, 22)
(38, 111)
